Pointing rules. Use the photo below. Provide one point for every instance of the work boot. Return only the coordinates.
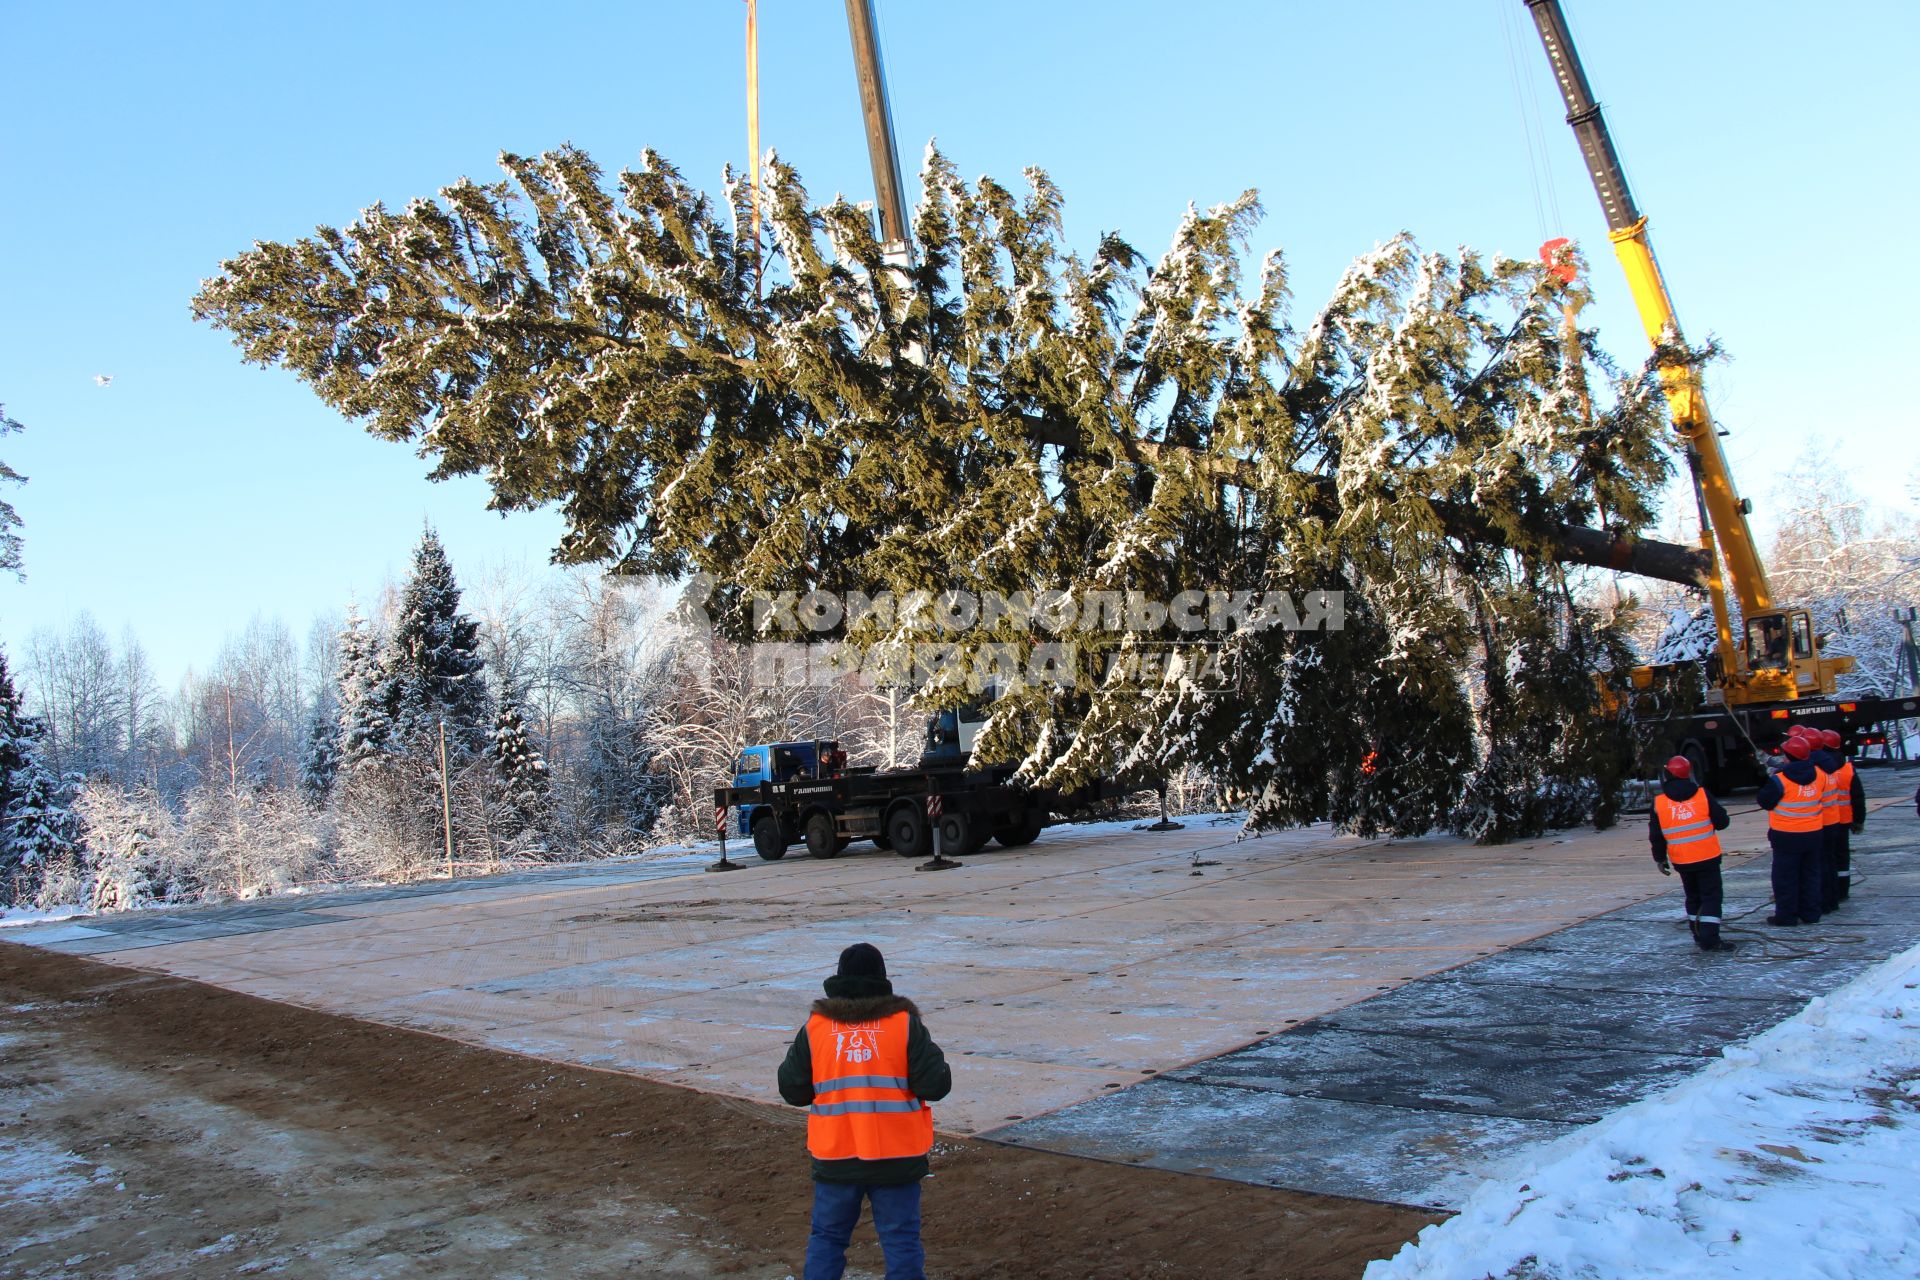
(1719, 944)
(1785, 922)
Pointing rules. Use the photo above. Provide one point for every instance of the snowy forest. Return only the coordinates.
(1439, 441)
(580, 720)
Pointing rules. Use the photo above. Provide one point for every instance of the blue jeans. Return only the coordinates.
(896, 1220)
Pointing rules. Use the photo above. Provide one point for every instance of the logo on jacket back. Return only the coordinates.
(857, 1042)
(1683, 811)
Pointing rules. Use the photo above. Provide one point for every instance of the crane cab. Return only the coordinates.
(1783, 657)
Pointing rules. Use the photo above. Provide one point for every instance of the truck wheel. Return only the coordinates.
(880, 838)
(822, 841)
(1707, 778)
(768, 841)
(906, 829)
(1024, 829)
(956, 834)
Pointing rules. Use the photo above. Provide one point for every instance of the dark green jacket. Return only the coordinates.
(928, 1076)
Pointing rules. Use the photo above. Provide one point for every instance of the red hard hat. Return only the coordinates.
(1800, 731)
(1796, 748)
(1680, 767)
(1830, 739)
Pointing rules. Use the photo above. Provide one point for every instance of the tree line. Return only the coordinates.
(577, 718)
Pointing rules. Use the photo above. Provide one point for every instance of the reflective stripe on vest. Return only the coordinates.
(863, 1108)
(1837, 802)
(1800, 804)
(1688, 828)
(868, 1108)
(859, 1082)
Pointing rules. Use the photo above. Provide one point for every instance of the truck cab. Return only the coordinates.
(950, 738)
(783, 762)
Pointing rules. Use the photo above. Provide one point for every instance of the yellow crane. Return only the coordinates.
(1777, 656)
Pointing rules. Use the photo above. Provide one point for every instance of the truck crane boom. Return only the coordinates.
(1781, 659)
(877, 112)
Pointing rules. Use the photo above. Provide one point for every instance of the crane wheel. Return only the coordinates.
(957, 834)
(1024, 829)
(822, 840)
(906, 828)
(768, 840)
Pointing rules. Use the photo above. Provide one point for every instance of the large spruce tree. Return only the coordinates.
(1010, 416)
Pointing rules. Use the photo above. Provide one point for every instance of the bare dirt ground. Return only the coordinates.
(152, 1126)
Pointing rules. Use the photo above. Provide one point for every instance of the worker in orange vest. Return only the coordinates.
(1684, 831)
(1845, 809)
(1811, 736)
(1793, 797)
(865, 1068)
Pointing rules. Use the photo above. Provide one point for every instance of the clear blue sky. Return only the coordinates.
(1772, 144)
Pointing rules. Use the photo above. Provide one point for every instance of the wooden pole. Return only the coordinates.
(446, 799)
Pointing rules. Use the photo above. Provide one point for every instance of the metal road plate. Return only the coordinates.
(1433, 1158)
(1572, 1084)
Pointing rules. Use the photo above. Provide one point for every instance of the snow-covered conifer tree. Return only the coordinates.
(42, 834)
(519, 770)
(365, 729)
(14, 740)
(431, 672)
(39, 834)
(322, 760)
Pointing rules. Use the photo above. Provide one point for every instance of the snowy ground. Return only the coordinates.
(1797, 1155)
(738, 848)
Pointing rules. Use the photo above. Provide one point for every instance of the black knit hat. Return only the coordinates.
(862, 960)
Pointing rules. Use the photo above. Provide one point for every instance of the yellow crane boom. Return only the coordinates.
(1780, 659)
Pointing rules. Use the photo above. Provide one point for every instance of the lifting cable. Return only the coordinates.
(1546, 198)
(753, 134)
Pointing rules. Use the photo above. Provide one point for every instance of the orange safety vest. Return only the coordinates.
(862, 1108)
(1800, 807)
(1837, 804)
(1688, 827)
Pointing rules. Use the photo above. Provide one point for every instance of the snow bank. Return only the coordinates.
(36, 915)
(1797, 1155)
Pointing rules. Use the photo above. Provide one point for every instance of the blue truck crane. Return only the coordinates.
(788, 793)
